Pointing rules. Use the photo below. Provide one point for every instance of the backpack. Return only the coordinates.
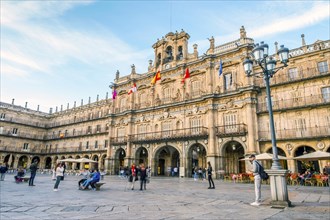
(262, 173)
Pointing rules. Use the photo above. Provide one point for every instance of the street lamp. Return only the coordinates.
(267, 63)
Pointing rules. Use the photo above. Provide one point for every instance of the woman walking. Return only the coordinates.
(209, 174)
(59, 174)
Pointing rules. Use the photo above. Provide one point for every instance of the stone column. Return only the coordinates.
(278, 188)
(252, 144)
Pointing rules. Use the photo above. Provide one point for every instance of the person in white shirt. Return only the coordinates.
(257, 180)
(59, 174)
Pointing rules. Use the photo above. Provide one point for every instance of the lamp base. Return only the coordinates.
(278, 187)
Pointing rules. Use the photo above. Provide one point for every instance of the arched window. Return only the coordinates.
(169, 56)
(180, 53)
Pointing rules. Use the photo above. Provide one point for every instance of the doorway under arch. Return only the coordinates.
(196, 158)
(166, 159)
(233, 153)
(142, 156)
(119, 160)
(306, 165)
(22, 162)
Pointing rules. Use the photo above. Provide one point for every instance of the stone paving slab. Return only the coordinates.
(165, 198)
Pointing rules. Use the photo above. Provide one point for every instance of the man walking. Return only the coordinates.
(33, 169)
(257, 180)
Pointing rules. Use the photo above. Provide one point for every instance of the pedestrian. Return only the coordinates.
(3, 171)
(33, 169)
(143, 177)
(209, 174)
(59, 173)
(257, 180)
(133, 177)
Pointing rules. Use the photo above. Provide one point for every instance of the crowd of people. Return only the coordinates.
(141, 173)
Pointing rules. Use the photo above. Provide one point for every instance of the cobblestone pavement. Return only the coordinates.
(165, 198)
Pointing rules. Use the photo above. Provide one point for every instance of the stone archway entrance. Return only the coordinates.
(233, 153)
(306, 165)
(166, 159)
(48, 163)
(22, 162)
(196, 158)
(142, 156)
(119, 160)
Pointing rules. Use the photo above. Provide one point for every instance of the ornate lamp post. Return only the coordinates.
(268, 65)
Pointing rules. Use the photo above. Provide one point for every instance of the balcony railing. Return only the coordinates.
(38, 150)
(20, 134)
(231, 130)
(295, 102)
(121, 140)
(177, 134)
(285, 77)
(286, 134)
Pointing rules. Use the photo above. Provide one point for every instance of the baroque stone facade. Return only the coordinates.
(183, 123)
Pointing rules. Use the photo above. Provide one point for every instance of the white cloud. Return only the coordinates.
(317, 13)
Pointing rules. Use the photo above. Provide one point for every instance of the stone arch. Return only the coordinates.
(23, 161)
(196, 157)
(232, 152)
(166, 158)
(120, 155)
(10, 160)
(302, 166)
(142, 156)
(48, 163)
(280, 152)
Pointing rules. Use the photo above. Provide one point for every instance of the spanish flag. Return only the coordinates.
(186, 75)
(156, 77)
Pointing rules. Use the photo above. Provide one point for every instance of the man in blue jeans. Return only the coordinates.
(33, 169)
(94, 179)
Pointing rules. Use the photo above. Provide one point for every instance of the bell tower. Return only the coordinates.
(171, 50)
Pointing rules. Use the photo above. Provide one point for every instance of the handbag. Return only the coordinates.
(136, 178)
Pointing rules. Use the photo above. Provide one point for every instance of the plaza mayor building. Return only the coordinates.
(185, 110)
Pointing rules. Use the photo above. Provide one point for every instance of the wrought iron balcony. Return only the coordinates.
(295, 102)
(287, 77)
(121, 140)
(293, 134)
(170, 135)
(231, 130)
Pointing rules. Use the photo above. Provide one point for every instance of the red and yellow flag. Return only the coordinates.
(156, 77)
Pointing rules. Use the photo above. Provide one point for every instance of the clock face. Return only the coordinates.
(167, 66)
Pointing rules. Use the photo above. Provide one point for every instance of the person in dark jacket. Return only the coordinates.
(143, 177)
(33, 169)
(3, 170)
(209, 174)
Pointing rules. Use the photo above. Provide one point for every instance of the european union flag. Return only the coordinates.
(220, 68)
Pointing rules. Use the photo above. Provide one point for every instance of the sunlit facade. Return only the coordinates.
(216, 114)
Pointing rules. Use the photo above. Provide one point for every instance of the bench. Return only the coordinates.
(98, 186)
(22, 179)
(26, 178)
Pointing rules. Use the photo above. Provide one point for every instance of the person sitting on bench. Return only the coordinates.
(20, 174)
(94, 179)
(85, 175)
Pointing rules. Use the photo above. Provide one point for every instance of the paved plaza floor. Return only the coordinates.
(165, 198)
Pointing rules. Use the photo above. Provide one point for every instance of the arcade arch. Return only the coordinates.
(233, 152)
(166, 158)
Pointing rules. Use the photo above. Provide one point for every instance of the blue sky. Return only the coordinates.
(58, 52)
